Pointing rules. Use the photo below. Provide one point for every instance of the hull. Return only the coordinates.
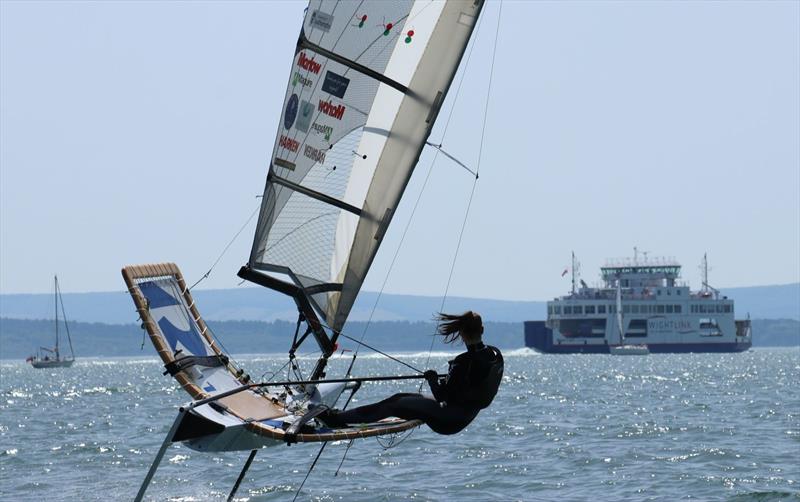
(540, 338)
(63, 363)
(629, 350)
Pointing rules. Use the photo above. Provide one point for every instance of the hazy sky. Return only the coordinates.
(136, 132)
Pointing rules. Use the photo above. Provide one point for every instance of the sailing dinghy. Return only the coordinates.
(366, 84)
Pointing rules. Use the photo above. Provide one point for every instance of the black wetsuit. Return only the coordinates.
(469, 386)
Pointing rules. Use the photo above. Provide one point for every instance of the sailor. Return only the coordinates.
(470, 385)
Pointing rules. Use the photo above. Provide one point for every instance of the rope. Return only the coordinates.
(313, 464)
(360, 343)
(477, 171)
(226, 248)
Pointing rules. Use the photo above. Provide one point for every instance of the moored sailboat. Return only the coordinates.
(50, 357)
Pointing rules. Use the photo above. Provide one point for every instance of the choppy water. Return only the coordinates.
(662, 427)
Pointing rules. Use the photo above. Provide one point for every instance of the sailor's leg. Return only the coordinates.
(241, 474)
(404, 405)
(159, 456)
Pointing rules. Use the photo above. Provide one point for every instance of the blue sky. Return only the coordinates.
(135, 132)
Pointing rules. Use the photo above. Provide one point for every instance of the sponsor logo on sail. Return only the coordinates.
(335, 84)
(308, 64)
(303, 81)
(304, 116)
(314, 154)
(323, 129)
(331, 110)
(284, 164)
(291, 111)
(288, 143)
(321, 20)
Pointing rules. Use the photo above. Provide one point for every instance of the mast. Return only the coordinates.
(706, 286)
(576, 272)
(64, 314)
(619, 312)
(55, 301)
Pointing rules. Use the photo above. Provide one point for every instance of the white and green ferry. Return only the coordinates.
(640, 305)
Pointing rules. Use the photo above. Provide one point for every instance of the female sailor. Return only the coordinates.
(470, 385)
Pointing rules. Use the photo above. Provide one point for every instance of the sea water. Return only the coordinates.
(563, 427)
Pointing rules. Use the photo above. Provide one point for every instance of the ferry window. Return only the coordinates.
(660, 309)
(557, 309)
(577, 309)
(693, 308)
(549, 310)
(590, 309)
(626, 309)
(659, 292)
(669, 292)
(678, 292)
(567, 309)
(612, 309)
(727, 309)
(677, 309)
(634, 309)
(719, 309)
(670, 309)
(601, 309)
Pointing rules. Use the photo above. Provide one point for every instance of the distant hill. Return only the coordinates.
(19, 337)
(260, 304)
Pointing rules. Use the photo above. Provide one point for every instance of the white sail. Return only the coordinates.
(365, 86)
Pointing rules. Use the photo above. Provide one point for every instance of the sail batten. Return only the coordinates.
(366, 84)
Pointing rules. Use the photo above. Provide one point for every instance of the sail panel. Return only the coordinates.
(348, 135)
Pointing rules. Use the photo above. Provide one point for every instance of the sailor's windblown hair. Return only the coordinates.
(467, 326)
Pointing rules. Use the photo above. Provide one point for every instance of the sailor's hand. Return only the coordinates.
(431, 375)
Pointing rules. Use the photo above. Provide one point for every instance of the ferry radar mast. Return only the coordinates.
(575, 271)
(707, 288)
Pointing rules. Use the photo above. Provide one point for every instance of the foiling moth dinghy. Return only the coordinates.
(366, 84)
(228, 412)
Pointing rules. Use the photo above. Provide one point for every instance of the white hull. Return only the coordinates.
(61, 363)
(629, 350)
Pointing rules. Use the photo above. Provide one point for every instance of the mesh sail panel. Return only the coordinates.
(364, 88)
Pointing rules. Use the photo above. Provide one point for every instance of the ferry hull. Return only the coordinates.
(540, 338)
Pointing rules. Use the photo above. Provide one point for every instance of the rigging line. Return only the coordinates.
(422, 190)
(359, 342)
(439, 148)
(477, 169)
(313, 464)
(226, 247)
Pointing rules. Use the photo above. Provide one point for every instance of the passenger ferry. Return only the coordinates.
(641, 305)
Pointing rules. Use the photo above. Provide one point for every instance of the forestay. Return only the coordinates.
(365, 86)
